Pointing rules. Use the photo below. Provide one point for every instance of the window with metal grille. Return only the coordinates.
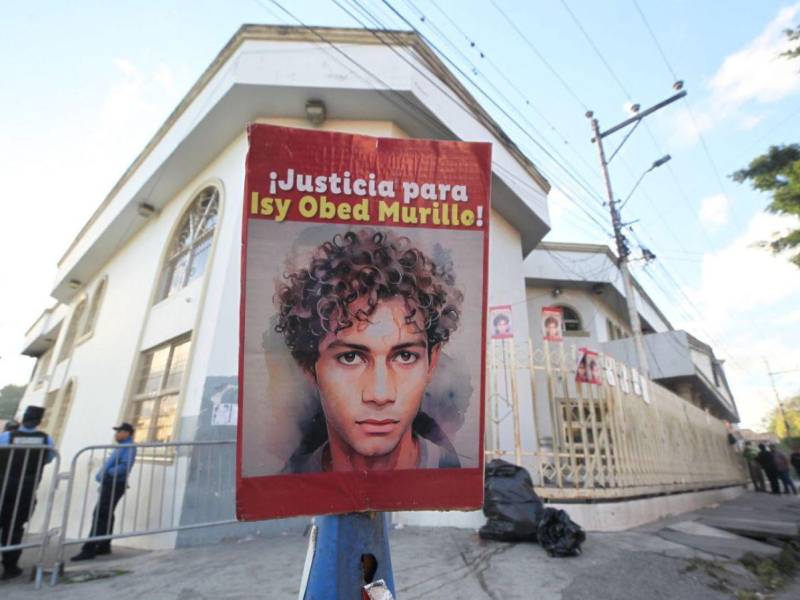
(72, 331)
(154, 405)
(94, 307)
(572, 320)
(191, 246)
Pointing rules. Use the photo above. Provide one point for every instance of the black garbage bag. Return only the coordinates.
(512, 507)
(558, 534)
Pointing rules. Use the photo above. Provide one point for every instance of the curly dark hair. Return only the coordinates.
(374, 265)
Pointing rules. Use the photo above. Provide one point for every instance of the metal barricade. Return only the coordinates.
(27, 482)
(149, 499)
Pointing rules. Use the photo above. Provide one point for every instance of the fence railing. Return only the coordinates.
(151, 499)
(621, 437)
(28, 478)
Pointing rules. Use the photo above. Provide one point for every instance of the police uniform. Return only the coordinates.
(23, 455)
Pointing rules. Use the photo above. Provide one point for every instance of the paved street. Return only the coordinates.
(681, 557)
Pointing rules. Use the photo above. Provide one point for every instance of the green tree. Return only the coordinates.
(10, 396)
(778, 173)
(775, 423)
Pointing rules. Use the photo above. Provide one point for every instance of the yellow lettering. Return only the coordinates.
(327, 209)
(388, 211)
(424, 211)
(308, 206)
(283, 208)
(361, 211)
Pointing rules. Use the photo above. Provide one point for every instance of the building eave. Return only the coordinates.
(334, 35)
(603, 250)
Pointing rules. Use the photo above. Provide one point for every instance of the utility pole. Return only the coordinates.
(623, 251)
(778, 398)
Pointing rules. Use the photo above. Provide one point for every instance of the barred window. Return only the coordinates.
(49, 406)
(572, 320)
(42, 368)
(94, 307)
(190, 248)
(72, 331)
(155, 401)
(59, 420)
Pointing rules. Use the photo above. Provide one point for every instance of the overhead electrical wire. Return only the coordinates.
(347, 57)
(560, 163)
(690, 112)
(412, 110)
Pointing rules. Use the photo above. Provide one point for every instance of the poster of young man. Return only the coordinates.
(588, 369)
(552, 323)
(363, 303)
(500, 322)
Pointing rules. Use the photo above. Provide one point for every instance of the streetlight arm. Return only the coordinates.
(636, 185)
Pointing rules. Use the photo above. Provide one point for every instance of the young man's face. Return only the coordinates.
(502, 326)
(372, 377)
(552, 329)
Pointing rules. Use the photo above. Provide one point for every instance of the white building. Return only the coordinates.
(585, 281)
(145, 322)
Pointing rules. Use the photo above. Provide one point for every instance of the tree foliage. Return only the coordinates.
(775, 423)
(778, 172)
(10, 396)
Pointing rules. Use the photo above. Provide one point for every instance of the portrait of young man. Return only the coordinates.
(500, 318)
(366, 321)
(362, 327)
(552, 318)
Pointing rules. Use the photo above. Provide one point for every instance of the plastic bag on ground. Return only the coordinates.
(512, 507)
(558, 534)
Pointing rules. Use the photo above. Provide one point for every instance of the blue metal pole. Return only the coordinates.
(339, 551)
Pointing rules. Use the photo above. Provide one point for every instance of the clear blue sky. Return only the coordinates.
(87, 83)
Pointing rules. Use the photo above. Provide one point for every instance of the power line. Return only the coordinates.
(597, 50)
(695, 125)
(655, 41)
(414, 112)
(560, 163)
(557, 161)
(539, 55)
(485, 56)
(656, 145)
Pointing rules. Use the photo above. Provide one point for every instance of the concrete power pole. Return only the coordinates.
(622, 244)
(778, 398)
(622, 252)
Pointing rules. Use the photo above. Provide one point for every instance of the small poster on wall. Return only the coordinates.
(552, 323)
(637, 386)
(500, 320)
(609, 368)
(588, 370)
(623, 379)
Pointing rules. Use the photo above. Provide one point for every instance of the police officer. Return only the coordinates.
(23, 455)
(113, 480)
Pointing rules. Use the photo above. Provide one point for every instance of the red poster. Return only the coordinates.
(552, 323)
(362, 326)
(500, 322)
(588, 370)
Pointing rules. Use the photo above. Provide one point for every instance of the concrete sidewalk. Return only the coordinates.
(683, 557)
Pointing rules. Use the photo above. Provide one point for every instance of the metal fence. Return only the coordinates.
(150, 500)
(620, 438)
(28, 478)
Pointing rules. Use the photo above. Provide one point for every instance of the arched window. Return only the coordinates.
(94, 307)
(189, 249)
(72, 331)
(572, 320)
(59, 421)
